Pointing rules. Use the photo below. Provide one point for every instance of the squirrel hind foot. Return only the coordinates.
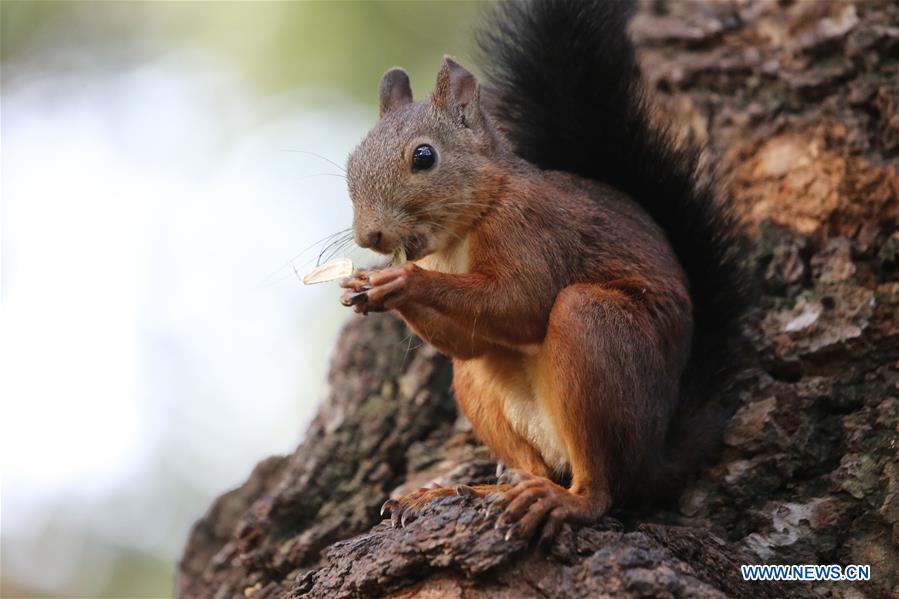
(536, 500)
(521, 501)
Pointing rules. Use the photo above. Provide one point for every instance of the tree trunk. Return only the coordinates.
(799, 105)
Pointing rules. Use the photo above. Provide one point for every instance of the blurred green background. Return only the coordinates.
(164, 165)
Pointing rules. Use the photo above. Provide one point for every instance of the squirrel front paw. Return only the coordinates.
(378, 291)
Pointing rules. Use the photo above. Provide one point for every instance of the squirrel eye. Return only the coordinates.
(423, 157)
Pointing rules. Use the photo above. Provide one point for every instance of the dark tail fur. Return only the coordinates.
(566, 87)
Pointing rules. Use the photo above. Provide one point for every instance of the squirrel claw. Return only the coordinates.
(388, 506)
(513, 476)
(408, 516)
(510, 533)
(465, 491)
(353, 299)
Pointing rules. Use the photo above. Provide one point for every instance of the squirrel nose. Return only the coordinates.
(373, 239)
(378, 239)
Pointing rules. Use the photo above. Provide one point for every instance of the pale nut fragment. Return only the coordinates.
(399, 256)
(331, 271)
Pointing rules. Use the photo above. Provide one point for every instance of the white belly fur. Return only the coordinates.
(452, 260)
(514, 381)
(514, 384)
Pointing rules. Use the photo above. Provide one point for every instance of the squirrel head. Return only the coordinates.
(414, 178)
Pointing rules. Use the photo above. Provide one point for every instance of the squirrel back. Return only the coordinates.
(564, 85)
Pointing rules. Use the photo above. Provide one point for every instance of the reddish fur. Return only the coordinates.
(613, 319)
(572, 268)
(490, 424)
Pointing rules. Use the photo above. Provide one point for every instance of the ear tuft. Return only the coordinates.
(394, 91)
(456, 86)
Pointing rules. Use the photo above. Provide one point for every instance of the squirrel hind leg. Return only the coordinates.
(599, 374)
(608, 385)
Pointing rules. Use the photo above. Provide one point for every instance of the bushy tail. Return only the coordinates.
(566, 87)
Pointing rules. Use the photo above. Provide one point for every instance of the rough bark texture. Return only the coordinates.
(799, 105)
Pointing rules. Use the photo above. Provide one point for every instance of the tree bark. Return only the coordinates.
(798, 105)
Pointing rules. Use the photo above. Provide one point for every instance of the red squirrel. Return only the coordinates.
(563, 251)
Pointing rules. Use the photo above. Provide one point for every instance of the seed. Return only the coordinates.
(399, 256)
(331, 271)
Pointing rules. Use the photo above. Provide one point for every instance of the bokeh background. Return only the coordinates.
(166, 173)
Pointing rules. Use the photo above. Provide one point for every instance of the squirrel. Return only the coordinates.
(565, 251)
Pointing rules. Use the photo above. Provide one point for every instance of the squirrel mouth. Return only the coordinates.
(414, 246)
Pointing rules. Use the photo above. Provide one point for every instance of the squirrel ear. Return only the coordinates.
(394, 91)
(456, 86)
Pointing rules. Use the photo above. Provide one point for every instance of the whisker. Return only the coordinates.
(303, 178)
(317, 260)
(290, 262)
(337, 250)
(409, 347)
(328, 160)
(334, 247)
(334, 242)
(342, 232)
